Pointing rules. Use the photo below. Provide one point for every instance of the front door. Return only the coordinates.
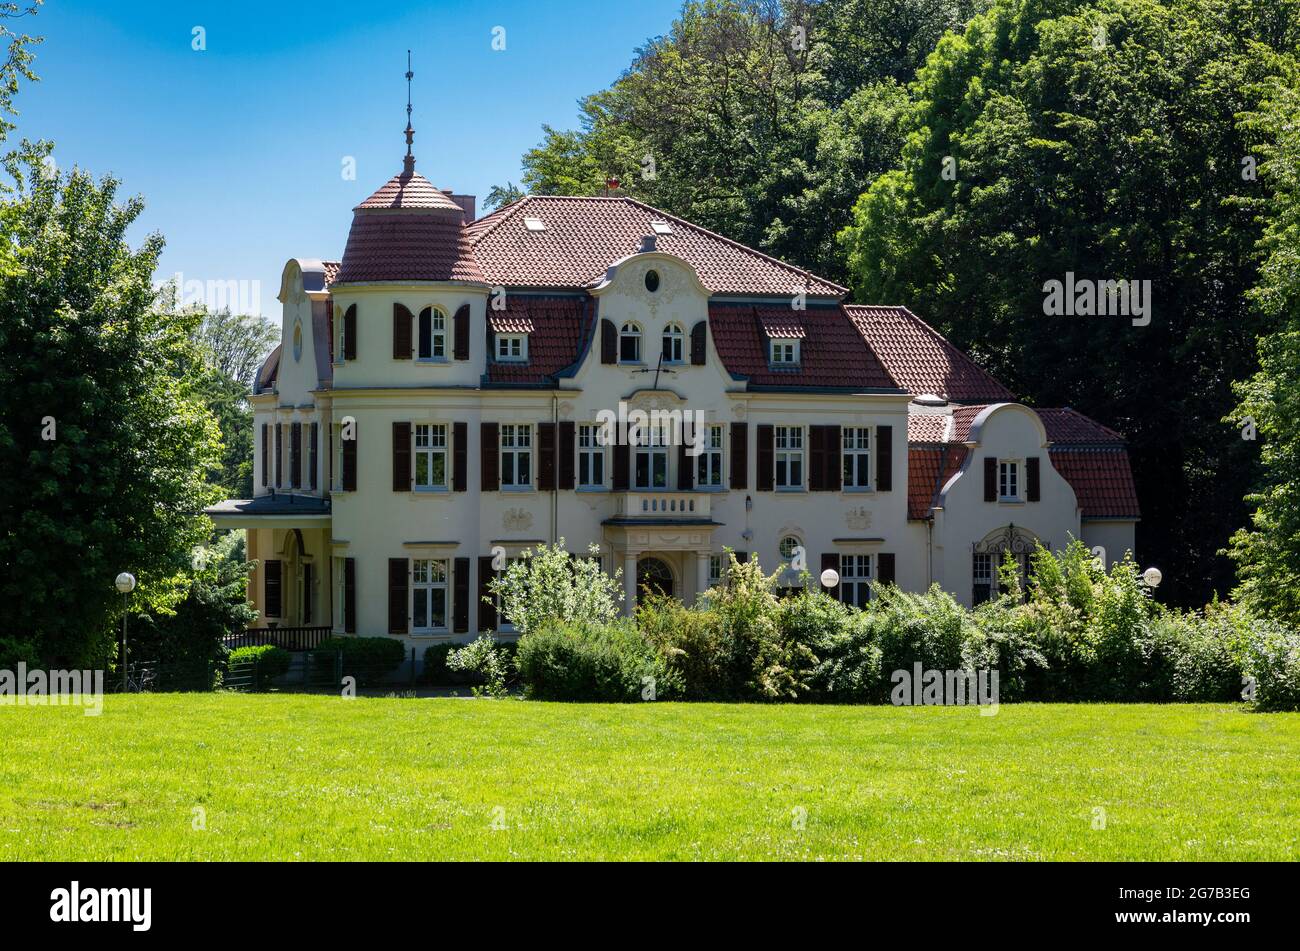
(652, 575)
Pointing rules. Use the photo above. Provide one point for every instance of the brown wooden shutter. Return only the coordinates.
(266, 455)
(884, 458)
(1032, 489)
(568, 433)
(459, 457)
(402, 321)
(699, 343)
(272, 578)
(608, 342)
(460, 334)
(460, 595)
(279, 456)
(306, 592)
(487, 609)
(684, 460)
(350, 461)
(622, 466)
(885, 567)
(766, 458)
(329, 326)
(402, 478)
(740, 456)
(831, 559)
(295, 455)
(350, 333)
(350, 595)
(314, 456)
(489, 437)
(816, 459)
(398, 572)
(990, 479)
(546, 457)
(831, 445)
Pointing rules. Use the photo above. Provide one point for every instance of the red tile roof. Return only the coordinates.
(928, 469)
(410, 191)
(832, 354)
(554, 343)
(331, 272)
(920, 359)
(928, 427)
(504, 322)
(1063, 425)
(584, 236)
(783, 325)
(1102, 480)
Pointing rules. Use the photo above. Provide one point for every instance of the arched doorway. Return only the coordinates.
(654, 576)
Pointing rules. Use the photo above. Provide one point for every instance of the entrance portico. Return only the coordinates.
(647, 547)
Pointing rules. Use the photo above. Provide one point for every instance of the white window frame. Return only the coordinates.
(433, 441)
(630, 330)
(708, 465)
(716, 568)
(516, 446)
(674, 343)
(512, 348)
(436, 578)
(788, 450)
(855, 450)
(856, 575)
(783, 351)
(652, 445)
(1009, 480)
(437, 335)
(591, 456)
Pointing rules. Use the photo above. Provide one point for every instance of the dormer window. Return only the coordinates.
(674, 343)
(512, 348)
(1008, 481)
(432, 334)
(785, 351)
(629, 343)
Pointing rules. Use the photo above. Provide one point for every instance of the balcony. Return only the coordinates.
(662, 505)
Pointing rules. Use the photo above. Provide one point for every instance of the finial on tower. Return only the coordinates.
(408, 164)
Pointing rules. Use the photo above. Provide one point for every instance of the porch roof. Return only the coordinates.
(269, 511)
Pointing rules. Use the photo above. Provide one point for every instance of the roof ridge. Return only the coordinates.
(495, 217)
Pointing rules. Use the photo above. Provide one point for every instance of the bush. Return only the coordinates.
(549, 584)
(930, 629)
(691, 644)
(368, 659)
(761, 661)
(14, 651)
(1195, 657)
(272, 662)
(484, 659)
(1273, 661)
(844, 643)
(592, 662)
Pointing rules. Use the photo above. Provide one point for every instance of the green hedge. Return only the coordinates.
(272, 662)
(368, 659)
(591, 661)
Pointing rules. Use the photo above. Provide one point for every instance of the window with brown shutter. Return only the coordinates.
(350, 461)
(306, 593)
(266, 455)
(460, 333)
(295, 455)
(350, 595)
(487, 608)
(740, 456)
(816, 459)
(459, 457)
(546, 457)
(885, 567)
(831, 444)
(684, 460)
(990, 479)
(766, 457)
(398, 615)
(622, 466)
(566, 450)
(401, 457)
(884, 458)
(272, 587)
(279, 457)
(460, 595)
(608, 342)
(350, 333)
(489, 456)
(314, 455)
(402, 322)
(699, 343)
(1032, 489)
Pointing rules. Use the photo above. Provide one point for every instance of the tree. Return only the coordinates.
(1101, 139)
(1268, 552)
(105, 445)
(501, 195)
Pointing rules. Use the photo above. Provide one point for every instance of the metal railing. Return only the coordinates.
(290, 638)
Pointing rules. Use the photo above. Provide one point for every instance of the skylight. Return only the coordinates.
(534, 224)
(661, 227)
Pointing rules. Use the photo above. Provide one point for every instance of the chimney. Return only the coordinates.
(647, 244)
(466, 203)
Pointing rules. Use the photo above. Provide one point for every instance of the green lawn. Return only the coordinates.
(298, 777)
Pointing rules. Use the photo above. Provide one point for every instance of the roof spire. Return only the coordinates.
(408, 164)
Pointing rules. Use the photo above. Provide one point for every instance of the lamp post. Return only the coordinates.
(125, 584)
(1152, 577)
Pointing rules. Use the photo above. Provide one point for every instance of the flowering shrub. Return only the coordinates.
(549, 584)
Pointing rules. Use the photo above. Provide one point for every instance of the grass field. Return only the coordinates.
(299, 777)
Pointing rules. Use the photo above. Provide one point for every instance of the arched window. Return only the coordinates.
(297, 341)
(432, 334)
(674, 343)
(789, 544)
(629, 343)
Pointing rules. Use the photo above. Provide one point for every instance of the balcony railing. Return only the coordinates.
(290, 638)
(648, 503)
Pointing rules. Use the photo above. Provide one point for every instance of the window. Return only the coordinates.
(856, 457)
(982, 576)
(516, 456)
(591, 457)
(789, 545)
(789, 457)
(297, 341)
(652, 459)
(674, 343)
(855, 579)
(715, 570)
(1008, 481)
(512, 348)
(708, 464)
(652, 281)
(629, 343)
(785, 352)
(430, 456)
(305, 592)
(429, 595)
(433, 334)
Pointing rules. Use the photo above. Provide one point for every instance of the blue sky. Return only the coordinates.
(238, 149)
